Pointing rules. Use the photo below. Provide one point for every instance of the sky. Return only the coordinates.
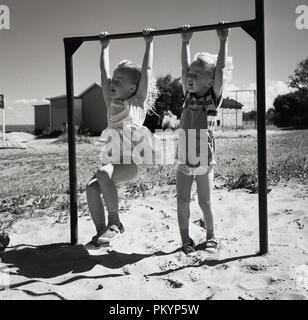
(32, 53)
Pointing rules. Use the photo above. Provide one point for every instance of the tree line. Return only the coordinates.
(291, 109)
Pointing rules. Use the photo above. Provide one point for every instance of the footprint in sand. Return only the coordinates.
(174, 283)
(126, 270)
(253, 268)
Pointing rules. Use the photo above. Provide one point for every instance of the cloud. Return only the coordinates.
(274, 89)
(25, 101)
(229, 89)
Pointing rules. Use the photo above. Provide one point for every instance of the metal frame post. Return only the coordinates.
(71, 143)
(3, 116)
(261, 125)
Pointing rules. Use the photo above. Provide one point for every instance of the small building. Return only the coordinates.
(90, 112)
(58, 112)
(94, 110)
(230, 115)
(42, 117)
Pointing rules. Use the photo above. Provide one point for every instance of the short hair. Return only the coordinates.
(207, 60)
(132, 69)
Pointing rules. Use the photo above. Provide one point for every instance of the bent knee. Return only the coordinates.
(104, 173)
(93, 185)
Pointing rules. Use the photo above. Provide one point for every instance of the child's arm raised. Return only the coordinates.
(147, 66)
(185, 55)
(104, 65)
(221, 61)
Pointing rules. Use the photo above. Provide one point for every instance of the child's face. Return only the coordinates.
(199, 80)
(121, 86)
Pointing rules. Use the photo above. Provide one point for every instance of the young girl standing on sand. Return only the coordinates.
(202, 85)
(129, 95)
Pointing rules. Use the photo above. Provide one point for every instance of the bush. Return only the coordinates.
(79, 139)
(291, 110)
(171, 96)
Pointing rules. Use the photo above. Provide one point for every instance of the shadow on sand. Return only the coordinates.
(53, 260)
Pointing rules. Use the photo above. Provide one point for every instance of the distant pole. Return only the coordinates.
(3, 116)
(3, 124)
(254, 100)
(222, 119)
(255, 107)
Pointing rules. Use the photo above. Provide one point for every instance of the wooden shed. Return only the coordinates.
(94, 110)
(42, 117)
(230, 115)
(90, 111)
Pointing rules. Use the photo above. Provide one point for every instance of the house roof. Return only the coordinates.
(231, 104)
(76, 97)
(95, 84)
(59, 97)
(41, 105)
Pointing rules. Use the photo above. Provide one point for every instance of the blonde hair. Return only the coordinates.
(134, 71)
(207, 60)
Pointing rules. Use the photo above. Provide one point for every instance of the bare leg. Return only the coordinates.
(95, 204)
(183, 188)
(204, 189)
(108, 176)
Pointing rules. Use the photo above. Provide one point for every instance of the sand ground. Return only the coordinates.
(146, 262)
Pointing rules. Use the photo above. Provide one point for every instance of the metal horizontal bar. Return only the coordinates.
(243, 90)
(235, 24)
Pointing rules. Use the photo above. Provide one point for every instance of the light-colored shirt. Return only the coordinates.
(125, 112)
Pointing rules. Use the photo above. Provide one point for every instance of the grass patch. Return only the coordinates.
(32, 173)
(63, 138)
(293, 166)
(36, 182)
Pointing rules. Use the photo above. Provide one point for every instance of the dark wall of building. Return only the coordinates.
(94, 110)
(41, 117)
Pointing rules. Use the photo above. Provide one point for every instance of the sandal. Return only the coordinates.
(112, 233)
(95, 244)
(189, 248)
(211, 245)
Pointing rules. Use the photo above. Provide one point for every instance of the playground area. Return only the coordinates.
(146, 261)
(207, 67)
